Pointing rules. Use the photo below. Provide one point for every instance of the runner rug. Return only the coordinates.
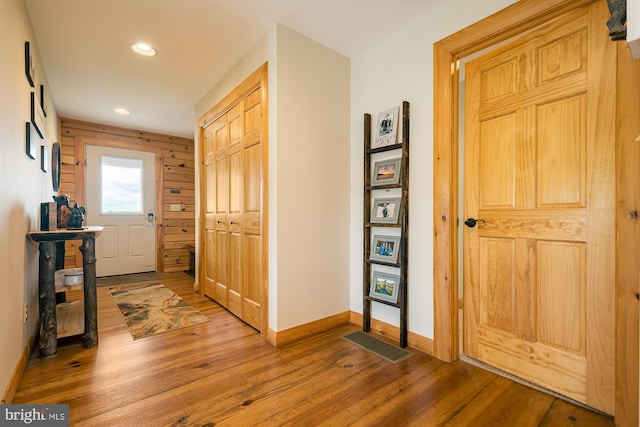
(151, 308)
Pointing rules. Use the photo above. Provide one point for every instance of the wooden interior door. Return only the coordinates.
(539, 272)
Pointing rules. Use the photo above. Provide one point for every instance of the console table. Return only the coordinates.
(46, 284)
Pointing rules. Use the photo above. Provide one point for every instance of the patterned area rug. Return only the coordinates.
(150, 308)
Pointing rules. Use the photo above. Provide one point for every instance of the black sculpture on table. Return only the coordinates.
(77, 217)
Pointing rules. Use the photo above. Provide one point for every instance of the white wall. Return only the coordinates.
(398, 69)
(261, 52)
(313, 180)
(23, 187)
(308, 174)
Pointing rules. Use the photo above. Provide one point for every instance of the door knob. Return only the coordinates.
(471, 222)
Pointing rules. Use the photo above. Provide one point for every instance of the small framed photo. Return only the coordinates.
(37, 115)
(29, 64)
(385, 286)
(32, 140)
(385, 249)
(386, 172)
(44, 158)
(385, 210)
(386, 128)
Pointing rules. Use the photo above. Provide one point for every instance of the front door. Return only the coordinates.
(539, 179)
(121, 198)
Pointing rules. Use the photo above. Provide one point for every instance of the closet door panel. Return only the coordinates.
(234, 252)
(251, 275)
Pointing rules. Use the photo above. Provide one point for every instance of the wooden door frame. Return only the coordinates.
(509, 22)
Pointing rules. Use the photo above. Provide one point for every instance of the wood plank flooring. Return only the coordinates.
(222, 373)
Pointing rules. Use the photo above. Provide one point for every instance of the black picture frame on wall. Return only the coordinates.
(29, 64)
(37, 116)
(32, 141)
(44, 158)
(43, 100)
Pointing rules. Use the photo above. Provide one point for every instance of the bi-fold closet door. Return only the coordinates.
(232, 185)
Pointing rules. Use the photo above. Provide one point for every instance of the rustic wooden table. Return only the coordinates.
(46, 284)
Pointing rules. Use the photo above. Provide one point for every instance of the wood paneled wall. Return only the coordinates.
(175, 184)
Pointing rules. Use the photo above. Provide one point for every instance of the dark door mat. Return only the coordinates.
(383, 349)
(126, 278)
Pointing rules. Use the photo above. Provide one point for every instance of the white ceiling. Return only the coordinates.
(84, 47)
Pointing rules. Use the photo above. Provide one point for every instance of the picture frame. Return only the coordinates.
(386, 128)
(44, 158)
(386, 172)
(385, 249)
(385, 286)
(29, 65)
(43, 100)
(31, 141)
(55, 166)
(385, 210)
(37, 115)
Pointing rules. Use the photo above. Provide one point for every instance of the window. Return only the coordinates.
(121, 186)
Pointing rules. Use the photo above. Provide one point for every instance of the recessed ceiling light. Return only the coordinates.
(122, 111)
(143, 49)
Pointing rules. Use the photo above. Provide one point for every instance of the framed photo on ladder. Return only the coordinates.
(385, 210)
(386, 129)
(386, 172)
(385, 286)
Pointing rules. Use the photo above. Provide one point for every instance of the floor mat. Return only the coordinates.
(126, 278)
(377, 346)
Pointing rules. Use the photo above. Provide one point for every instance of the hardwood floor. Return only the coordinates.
(222, 373)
